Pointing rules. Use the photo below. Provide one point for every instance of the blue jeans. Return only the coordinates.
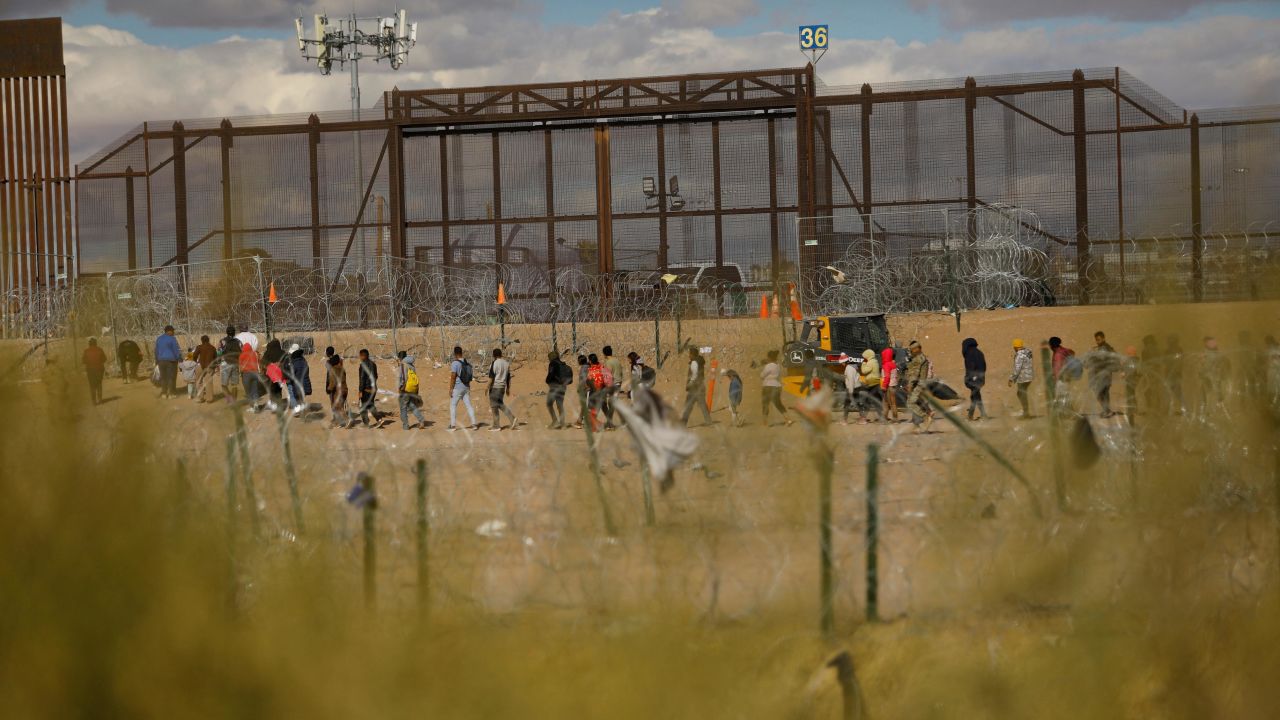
(463, 393)
(252, 386)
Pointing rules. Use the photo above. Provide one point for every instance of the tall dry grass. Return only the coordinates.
(123, 594)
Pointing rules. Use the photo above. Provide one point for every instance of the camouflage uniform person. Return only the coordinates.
(917, 378)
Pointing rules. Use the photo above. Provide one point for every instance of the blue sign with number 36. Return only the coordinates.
(813, 37)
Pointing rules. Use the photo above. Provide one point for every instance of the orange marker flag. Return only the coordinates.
(271, 294)
(764, 307)
(502, 295)
(711, 382)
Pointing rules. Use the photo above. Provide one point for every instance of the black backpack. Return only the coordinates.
(564, 373)
(466, 374)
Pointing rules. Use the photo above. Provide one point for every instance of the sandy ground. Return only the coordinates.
(737, 535)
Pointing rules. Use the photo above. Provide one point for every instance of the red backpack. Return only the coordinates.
(598, 375)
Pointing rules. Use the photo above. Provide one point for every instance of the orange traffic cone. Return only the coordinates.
(502, 295)
(764, 307)
(775, 305)
(795, 306)
(271, 294)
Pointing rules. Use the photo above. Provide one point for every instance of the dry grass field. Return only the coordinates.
(138, 582)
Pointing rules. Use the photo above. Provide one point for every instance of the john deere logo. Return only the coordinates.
(797, 357)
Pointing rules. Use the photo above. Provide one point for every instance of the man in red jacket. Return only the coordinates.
(95, 366)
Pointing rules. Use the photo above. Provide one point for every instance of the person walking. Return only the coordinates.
(771, 388)
(917, 379)
(299, 379)
(94, 361)
(409, 387)
(584, 389)
(1066, 370)
(1271, 374)
(129, 357)
(367, 386)
(599, 384)
(695, 388)
(1215, 369)
(229, 357)
(499, 388)
(460, 377)
(1024, 373)
(190, 371)
(168, 354)
(889, 382)
(975, 377)
(735, 396)
(642, 376)
(250, 376)
(867, 393)
(274, 355)
(1102, 363)
(207, 357)
(1132, 369)
(614, 365)
(335, 386)
(559, 378)
(1175, 372)
(1155, 393)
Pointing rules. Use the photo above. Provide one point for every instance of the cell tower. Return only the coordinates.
(344, 41)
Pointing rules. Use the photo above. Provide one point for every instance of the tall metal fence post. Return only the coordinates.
(370, 542)
(825, 462)
(1197, 229)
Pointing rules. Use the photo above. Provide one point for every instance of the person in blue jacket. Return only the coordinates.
(168, 355)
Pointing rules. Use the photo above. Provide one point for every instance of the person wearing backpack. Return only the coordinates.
(1067, 368)
(499, 388)
(336, 387)
(229, 356)
(975, 377)
(409, 387)
(599, 383)
(559, 378)
(460, 376)
(367, 387)
(695, 388)
(298, 376)
(250, 376)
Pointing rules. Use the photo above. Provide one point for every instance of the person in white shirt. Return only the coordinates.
(695, 388)
(771, 388)
(499, 389)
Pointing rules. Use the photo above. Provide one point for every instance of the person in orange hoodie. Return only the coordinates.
(250, 375)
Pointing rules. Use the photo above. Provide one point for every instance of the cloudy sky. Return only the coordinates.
(134, 60)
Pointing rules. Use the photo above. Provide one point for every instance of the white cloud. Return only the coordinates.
(116, 81)
(965, 13)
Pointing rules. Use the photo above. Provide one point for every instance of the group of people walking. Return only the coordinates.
(874, 386)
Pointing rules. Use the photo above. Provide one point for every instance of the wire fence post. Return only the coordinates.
(825, 462)
(262, 297)
(587, 422)
(290, 473)
(391, 304)
(1055, 435)
(231, 522)
(873, 533)
(370, 547)
(246, 471)
(111, 318)
(186, 296)
(423, 531)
